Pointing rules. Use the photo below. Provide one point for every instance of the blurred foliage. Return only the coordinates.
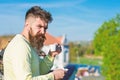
(79, 49)
(107, 43)
(4, 40)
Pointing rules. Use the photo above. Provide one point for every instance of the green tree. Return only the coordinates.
(107, 43)
(74, 51)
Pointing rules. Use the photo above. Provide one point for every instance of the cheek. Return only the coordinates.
(37, 30)
(33, 32)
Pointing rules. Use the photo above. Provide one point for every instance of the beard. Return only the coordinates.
(37, 41)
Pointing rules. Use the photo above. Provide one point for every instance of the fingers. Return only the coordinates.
(55, 49)
(58, 74)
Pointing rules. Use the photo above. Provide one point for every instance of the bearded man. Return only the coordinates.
(21, 60)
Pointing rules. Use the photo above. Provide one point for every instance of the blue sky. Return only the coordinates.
(77, 19)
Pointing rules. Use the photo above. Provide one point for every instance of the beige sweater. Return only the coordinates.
(21, 62)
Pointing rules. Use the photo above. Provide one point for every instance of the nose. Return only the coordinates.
(43, 31)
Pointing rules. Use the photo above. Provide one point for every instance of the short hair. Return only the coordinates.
(37, 11)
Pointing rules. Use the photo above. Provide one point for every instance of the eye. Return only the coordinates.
(46, 28)
(39, 26)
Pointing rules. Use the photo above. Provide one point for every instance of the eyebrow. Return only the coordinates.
(46, 27)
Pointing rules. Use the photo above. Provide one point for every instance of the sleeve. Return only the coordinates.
(46, 64)
(21, 61)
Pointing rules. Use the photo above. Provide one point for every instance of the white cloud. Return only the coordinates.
(69, 17)
(52, 4)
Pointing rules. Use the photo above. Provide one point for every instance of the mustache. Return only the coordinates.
(41, 37)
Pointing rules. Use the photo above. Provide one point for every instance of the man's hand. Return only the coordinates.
(55, 50)
(58, 74)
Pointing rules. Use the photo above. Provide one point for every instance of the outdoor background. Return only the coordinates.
(92, 28)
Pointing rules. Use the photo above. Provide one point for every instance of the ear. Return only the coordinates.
(27, 26)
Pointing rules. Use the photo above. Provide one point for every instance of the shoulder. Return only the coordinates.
(18, 45)
(18, 42)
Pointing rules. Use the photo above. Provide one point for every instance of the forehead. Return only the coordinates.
(41, 22)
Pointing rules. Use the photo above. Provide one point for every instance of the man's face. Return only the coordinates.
(37, 33)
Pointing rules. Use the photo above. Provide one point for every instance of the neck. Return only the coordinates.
(25, 34)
